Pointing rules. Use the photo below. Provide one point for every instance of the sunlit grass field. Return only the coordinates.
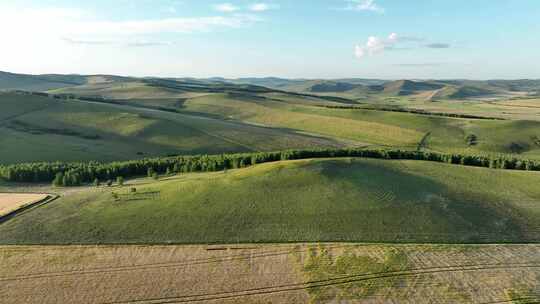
(35, 128)
(380, 127)
(311, 200)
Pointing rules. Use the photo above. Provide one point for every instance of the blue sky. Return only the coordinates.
(392, 39)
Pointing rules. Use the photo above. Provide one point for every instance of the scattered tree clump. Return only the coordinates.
(471, 140)
(516, 148)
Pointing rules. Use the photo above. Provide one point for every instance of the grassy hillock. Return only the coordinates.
(332, 86)
(308, 200)
(409, 87)
(121, 90)
(470, 91)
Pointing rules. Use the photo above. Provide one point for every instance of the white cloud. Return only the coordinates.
(144, 43)
(226, 8)
(80, 26)
(121, 42)
(359, 51)
(87, 42)
(262, 7)
(364, 5)
(375, 45)
(167, 25)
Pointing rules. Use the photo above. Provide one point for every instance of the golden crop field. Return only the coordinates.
(10, 202)
(287, 273)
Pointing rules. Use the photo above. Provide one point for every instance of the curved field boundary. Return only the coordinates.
(324, 283)
(49, 198)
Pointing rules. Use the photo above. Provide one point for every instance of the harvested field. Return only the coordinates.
(10, 202)
(292, 273)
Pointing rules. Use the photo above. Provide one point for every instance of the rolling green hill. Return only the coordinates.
(375, 90)
(133, 118)
(278, 109)
(37, 128)
(379, 128)
(46, 82)
(470, 91)
(10, 81)
(309, 200)
(409, 87)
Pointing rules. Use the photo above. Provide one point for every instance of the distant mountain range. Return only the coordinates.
(353, 88)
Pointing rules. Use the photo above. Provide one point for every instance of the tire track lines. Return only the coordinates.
(150, 266)
(323, 283)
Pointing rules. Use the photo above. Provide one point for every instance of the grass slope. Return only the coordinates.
(376, 127)
(35, 128)
(279, 113)
(236, 118)
(311, 200)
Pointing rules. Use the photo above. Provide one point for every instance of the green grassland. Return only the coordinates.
(152, 117)
(157, 118)
(122, 90)
(14, 105)
(309, 200)
(357, 127)
(380, 128)
(304, 113)
(36, 128)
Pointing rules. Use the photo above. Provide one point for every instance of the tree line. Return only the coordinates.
(412, 111)
(74, 174)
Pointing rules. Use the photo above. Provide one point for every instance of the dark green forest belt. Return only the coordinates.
(74, 174)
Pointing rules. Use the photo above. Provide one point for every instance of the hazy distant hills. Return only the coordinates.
(12, 81)
(430, 89)
(352, 88)
(46, 82)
